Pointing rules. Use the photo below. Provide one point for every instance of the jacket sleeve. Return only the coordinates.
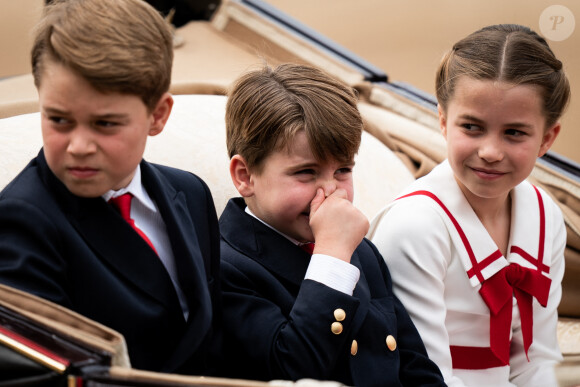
(30, 251)
(273, 335)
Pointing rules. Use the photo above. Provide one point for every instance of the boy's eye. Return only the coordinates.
(305, 172)
(105, 124)
(344, 170)
(58, 120)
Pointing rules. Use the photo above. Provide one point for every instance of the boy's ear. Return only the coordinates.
(161, 114)
(241, 176)
(442, 121)
(549, 138)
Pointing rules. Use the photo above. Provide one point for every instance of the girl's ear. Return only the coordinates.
(442, 121)
(241, 176)
(549, 138)
(161, 114)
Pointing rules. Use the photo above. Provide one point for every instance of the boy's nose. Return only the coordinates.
(80, 143)
(329, 186)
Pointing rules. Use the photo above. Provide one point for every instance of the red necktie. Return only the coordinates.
(308, 247)
(123, 204)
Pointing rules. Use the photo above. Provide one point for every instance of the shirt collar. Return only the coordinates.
(136, 189)
(249, 212)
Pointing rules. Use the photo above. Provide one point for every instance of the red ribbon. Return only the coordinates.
(497, 293)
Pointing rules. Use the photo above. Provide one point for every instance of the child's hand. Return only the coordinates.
(337, 225)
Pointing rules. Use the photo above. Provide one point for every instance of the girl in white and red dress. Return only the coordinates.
(476, 252)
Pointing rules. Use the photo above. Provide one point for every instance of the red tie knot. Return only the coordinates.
(515, 274)
(308, 247)
(123, 203)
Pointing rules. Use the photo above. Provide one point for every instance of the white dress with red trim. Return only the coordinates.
(485, 319)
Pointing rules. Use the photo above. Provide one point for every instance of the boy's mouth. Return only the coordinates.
(82, 172)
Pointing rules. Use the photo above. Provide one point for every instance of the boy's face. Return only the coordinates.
(93, 142)
(282, 192)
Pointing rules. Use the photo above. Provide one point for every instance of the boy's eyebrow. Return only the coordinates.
(307, 164)
(310, 164)
(109, 116)
(56, 111)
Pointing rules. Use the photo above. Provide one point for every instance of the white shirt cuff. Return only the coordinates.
(333, 272)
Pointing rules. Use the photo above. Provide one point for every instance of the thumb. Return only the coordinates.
(316, 202)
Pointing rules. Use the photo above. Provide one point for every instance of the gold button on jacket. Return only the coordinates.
(391, 343)
(339, 314)
(336, 328)
(354, 348)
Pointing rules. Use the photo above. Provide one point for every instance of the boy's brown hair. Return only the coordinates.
(122, 46)
(267, 107)
(508, 53)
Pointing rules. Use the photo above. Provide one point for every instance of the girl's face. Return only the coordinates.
(495, 131)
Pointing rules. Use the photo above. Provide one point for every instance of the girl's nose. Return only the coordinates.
(491, 150)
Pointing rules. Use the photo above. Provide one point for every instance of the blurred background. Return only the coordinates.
(405, 39)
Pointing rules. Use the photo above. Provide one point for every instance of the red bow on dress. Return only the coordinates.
(497, 292)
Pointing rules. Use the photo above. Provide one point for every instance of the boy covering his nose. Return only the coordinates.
(292, 134)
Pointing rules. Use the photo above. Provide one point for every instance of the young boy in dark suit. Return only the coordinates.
(147, 266)
(292, 133)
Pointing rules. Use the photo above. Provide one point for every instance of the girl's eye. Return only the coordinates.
(471, 127)
(515, 133)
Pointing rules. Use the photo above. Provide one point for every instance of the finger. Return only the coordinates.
(317, 201)
(339, 193)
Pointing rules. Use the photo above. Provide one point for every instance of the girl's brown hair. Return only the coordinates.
(507, 53)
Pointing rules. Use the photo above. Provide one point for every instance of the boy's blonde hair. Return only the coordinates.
(267, 107)
(122, 46)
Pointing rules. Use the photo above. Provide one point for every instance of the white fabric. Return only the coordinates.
(428, 263)
(333, 272)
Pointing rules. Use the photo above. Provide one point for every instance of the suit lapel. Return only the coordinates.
(113, 240)
(119, 245)
(267, 247)
(188, 259)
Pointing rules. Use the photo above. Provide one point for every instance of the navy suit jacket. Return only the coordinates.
(79, 253)
(278, 325)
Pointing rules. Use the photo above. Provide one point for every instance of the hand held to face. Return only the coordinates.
(338, 226)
